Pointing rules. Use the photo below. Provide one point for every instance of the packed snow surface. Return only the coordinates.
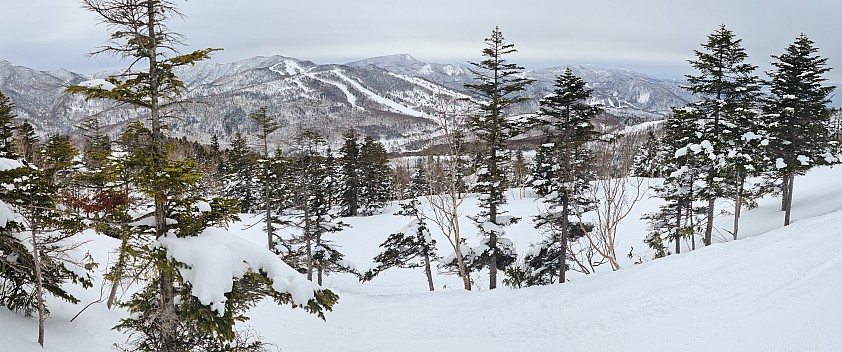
(774, 289)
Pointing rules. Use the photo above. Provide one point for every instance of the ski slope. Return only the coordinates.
(774, 289)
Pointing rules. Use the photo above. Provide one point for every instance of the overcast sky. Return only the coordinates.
(650, 36)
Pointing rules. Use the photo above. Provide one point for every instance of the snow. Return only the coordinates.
(780, 163)
(6, 214)
(216, 256)
(98, 83)
(9, 164)
(381, 100)
(804, 160)
(203, 206)
(774, 289)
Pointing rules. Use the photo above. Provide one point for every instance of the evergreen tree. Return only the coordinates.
(405, 248)
(375, 173)
(34, 239)
(310, 212)
(646, 160)
(27, 141)
(351, 180)
(268, 181)
(681, 157)
(498, 82)
(728, 92)
(58, 158)
(797, 115)
(240, 170)
(565, 117)
(165, 315)
(7, 127)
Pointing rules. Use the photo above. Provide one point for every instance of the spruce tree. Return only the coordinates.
(498, 83)
(797, 115)
(728, 91)
(565, 117)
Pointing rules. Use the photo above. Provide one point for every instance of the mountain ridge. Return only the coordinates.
(390, 97)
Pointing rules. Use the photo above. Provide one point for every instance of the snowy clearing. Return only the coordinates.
(775, 289)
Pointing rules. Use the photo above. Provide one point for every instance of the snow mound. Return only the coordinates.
(216, 257)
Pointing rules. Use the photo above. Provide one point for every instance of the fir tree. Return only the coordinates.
(565, 117)
(797, 115)
(499, 82)
(27, 141)
(728, 91)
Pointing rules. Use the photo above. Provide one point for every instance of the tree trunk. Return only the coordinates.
(428, 271)
(463, 272)
(492, 266)
(785, 193)
(790, 187)
(692, 218)
(709, 225)
(118, 271)
(39, 283)
(565, 225)
(678, 229)
(738, 205)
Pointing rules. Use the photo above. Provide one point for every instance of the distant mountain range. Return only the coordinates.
(390, 97)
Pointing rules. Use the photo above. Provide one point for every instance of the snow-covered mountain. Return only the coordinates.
(624, 93)
(390, 97)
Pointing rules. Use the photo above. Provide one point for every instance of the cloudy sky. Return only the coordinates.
(651, 36)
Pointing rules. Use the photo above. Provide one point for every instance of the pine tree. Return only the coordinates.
(797, 115)
(565, 117)
(498, 83)
(728, 91)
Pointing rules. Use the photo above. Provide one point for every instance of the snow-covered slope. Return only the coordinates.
(623, 92)
(387, 97)
(775, 289)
